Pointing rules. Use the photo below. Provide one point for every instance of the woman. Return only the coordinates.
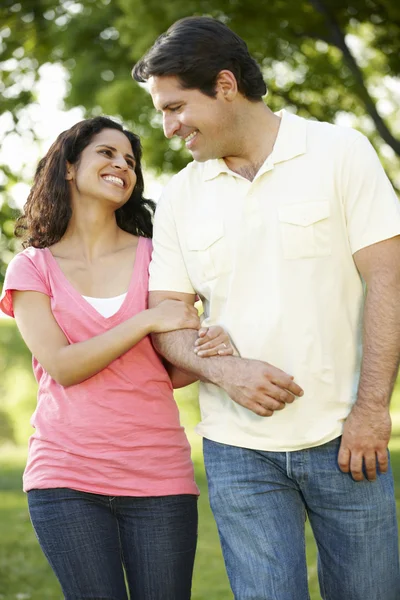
(109, 477)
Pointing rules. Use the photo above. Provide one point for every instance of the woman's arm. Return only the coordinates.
(69, 364)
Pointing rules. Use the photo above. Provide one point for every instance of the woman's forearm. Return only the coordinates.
(74, 363)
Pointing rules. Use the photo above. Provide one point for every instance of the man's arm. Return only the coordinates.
(256, 385)
(211, 341)
(367, 429)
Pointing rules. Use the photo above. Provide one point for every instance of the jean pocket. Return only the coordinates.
(305, 229)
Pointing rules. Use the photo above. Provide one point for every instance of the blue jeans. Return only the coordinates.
(91, 540)
(260, 501)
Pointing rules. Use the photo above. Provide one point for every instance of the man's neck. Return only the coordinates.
(248, 171)
(261, 130)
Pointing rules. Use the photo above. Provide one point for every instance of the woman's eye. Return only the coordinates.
(106, 152)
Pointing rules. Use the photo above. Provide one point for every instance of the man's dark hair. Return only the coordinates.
(48, 209)
(195, 50)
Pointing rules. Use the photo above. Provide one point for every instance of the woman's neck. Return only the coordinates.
(91, 235)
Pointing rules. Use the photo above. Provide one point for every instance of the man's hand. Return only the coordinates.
(365, 440)
(260, 387)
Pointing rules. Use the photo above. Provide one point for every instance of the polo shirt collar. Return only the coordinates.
(290, 142)
(214, 167)
(291, 138)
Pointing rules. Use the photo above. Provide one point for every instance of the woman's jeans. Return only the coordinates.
(260, 501)
(90, 540)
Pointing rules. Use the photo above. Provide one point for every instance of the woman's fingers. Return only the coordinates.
(219, 350)
(208, 334)
(213, 341)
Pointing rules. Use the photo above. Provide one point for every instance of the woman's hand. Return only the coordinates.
(170, 315)
(213, 341)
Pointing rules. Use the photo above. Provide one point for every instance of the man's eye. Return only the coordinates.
(176, 108)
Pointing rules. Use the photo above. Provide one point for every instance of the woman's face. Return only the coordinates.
(106, 169)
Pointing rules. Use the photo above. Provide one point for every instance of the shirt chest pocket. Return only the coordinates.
(207, 252)
(305, 229)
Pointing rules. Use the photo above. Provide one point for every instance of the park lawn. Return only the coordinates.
(25, 575)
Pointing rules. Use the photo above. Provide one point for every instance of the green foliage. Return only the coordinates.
(308, 60)
(17, 386)
(323, 58)
(8, 214)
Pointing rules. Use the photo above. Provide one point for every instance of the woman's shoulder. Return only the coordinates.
(31, 256)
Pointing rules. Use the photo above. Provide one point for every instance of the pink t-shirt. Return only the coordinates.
(118, 432)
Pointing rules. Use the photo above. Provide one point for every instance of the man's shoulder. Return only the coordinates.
(193, 170)
(318, 131)
(189, 178)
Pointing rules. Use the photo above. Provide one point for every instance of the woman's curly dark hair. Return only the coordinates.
(48, 210)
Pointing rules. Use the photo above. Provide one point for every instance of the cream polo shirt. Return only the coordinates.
(272, 261)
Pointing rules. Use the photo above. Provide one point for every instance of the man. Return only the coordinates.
(277, 225)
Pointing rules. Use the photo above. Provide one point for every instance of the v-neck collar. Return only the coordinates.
(84, 304)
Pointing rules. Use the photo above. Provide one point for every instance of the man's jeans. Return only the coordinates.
(260, 501)
(87, 538)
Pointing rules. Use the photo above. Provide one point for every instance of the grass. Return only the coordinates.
(24, 572)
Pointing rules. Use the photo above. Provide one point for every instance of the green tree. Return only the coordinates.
(324, 58)
(8, 214)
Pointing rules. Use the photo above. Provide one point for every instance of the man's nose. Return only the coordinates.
(171, 125)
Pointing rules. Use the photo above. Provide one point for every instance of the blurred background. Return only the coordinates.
(61, 61)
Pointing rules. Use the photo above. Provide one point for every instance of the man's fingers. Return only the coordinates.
(344, 459)
(370, 466)
(383, 460)
(356, 467)
(276, 393)
(263, 406)
(295, 389)
(269, 401)
(286, 382)
(259, 409)
(356, 463)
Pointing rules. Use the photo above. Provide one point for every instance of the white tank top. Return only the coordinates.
(107, 307)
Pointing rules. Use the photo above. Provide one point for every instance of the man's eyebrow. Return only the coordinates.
(115, 150)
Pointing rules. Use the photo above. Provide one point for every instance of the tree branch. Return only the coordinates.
(338, 40)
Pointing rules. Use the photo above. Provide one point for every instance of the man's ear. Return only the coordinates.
(226, 84)
(69, 172)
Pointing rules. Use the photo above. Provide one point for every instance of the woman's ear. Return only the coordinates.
(69, 172)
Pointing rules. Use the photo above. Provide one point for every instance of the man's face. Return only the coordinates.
(199, 120)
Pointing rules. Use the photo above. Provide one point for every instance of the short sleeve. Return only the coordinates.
(23, 275)
(167, 268)
(371, 206)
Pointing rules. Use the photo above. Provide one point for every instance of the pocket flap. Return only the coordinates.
(304, 213)
(202, 238)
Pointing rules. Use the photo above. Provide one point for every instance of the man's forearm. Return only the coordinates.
(381, 342)
(255, 385)
(178, 348)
